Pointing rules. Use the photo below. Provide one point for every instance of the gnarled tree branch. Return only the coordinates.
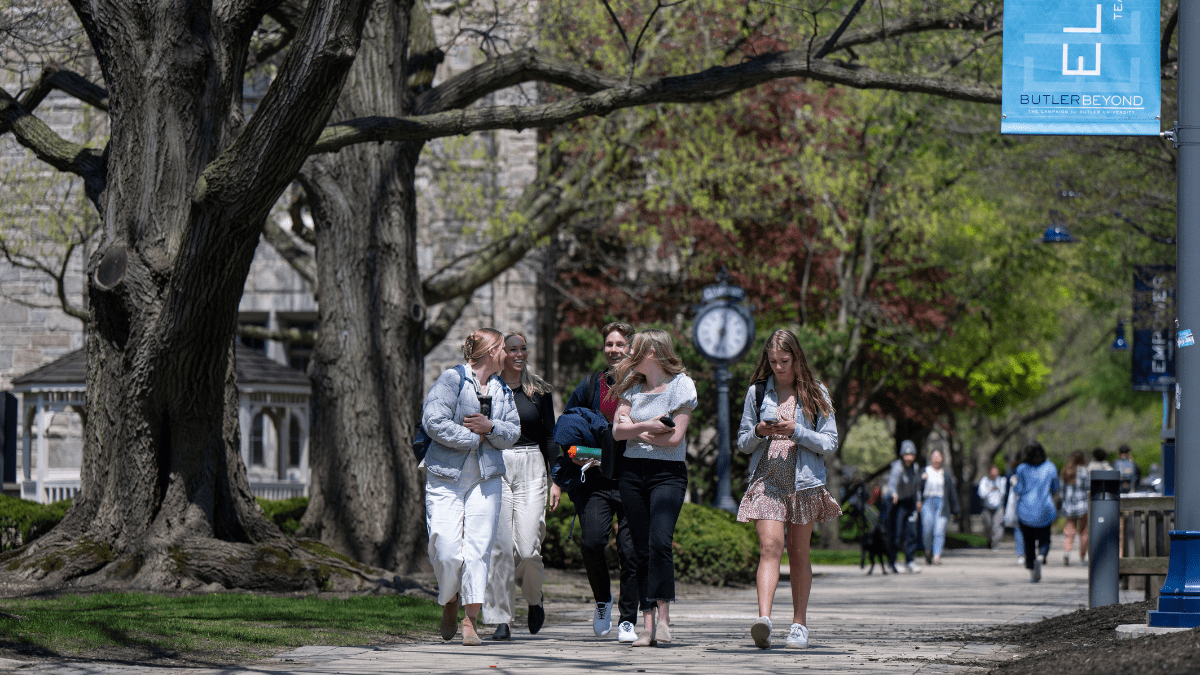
(714, 83)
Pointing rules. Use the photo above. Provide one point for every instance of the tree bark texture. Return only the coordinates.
(164, 501)
(366, 497)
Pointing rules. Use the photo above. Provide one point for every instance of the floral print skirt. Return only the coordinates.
(772, 493)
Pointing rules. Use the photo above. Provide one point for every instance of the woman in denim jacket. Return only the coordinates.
(464, 466)
(787, 437)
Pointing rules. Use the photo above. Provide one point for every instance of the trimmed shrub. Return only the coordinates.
(23, 521)
(561, 547)
(711, 547)
(285, 513)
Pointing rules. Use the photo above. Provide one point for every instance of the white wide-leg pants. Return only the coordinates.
(461, 518)
(517, 551)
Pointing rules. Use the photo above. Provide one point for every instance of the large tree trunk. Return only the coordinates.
(164, 501)
(368, 360)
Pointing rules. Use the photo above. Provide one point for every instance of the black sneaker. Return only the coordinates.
(537, 617)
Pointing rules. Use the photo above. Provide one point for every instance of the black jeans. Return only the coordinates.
(1030, 533)
(652, 492)
(596, 502)
(904, 532)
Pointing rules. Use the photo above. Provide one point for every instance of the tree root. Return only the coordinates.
(281, 565)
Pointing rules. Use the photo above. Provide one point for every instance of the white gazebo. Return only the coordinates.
(273, 413)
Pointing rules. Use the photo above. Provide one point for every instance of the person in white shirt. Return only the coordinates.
(992, 489)
(939, 501)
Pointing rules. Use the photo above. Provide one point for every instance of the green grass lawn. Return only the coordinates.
(227, 626)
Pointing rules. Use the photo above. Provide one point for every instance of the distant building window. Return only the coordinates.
(294, 443)
(256, 441)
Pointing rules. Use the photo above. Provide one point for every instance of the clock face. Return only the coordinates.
(722, 333)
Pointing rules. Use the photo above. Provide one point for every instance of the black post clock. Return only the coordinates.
(723, 332)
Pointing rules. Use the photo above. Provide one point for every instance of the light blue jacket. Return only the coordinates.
(442, 416)
(1036, 485)
(812, 441)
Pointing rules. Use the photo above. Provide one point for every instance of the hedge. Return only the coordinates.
(285, 513)
(23, 521)
(711, 547)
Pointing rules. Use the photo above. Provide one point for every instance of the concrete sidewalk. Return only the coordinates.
(859, 624)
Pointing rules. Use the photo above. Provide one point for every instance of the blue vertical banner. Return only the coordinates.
(1154, 339)
(1081, 67)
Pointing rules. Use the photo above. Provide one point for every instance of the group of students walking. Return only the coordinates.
(495, 443)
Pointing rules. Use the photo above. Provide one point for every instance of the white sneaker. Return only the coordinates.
(602, 618)
(1021, 560)
(760, 632)
(797, 637)
(625, 632)
(911, 568)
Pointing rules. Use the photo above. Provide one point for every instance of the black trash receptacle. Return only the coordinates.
(1104, 533)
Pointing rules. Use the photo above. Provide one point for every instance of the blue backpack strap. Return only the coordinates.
(462, 372)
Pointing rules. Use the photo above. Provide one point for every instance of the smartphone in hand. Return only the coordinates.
(770, 420)
(666, 419)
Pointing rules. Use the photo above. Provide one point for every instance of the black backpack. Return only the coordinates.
(589, 391)
(420, 444)
(760, 393)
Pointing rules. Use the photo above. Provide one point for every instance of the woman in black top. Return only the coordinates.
(517, 554)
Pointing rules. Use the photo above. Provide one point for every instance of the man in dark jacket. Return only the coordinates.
(904, 483)
(597, 498)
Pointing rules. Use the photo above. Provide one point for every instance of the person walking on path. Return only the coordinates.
(1131, 475)
(992, 489)
(1099, 461)
(903, 490)
(939, 500)
(1076, 486)
(656, 400)
(597, 498)
(463, 469)
(1036, 483)
(787, 434)
(517, 553)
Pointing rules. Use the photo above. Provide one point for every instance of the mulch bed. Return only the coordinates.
(1085, 642)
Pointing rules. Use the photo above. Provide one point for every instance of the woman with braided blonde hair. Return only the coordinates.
(788, 426)
(464, 468)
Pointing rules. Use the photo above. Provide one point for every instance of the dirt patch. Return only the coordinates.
(1085, 642)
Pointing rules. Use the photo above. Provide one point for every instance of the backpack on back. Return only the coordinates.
(420, 444)
(760, 393)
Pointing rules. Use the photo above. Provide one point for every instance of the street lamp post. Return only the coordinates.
(1179, 601)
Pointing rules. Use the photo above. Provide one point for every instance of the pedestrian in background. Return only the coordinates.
(788, 434)
(1099, 461)
(1037, 483)
(463, 469)
(517, 552)
(992, 489)
(597, 497)
(1131, 475)
(1010, 506)
(939, 501)
(656, 400)
(903, 490)
(1076, 486)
